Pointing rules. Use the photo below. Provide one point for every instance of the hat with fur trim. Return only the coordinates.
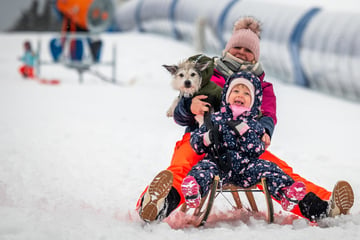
(247, 83)
(246, 33)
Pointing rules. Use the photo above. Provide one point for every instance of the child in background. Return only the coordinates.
(231, 141)
(29, 58)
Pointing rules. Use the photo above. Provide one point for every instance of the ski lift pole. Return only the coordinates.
(114, 64)
(37, 61)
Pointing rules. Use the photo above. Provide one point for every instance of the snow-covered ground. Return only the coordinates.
(75, 157)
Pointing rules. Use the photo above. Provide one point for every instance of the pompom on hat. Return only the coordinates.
(246, 33)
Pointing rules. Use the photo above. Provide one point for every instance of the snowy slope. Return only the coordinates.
(75, 157)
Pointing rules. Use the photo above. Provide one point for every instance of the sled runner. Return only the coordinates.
(201, 213)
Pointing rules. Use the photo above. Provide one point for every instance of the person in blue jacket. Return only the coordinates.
(29, 60)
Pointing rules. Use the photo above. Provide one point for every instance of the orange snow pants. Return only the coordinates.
(184, 158)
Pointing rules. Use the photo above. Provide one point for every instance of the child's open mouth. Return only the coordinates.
(239, 102)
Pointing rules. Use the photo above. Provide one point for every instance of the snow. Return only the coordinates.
(75, 157)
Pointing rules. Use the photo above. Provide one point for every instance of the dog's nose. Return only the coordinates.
(187, 83)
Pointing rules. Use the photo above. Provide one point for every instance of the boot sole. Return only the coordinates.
(158, 189)
(343, 197)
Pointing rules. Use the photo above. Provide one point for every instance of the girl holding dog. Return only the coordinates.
(241, 53)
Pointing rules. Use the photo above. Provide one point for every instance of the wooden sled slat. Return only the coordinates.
(202, 212)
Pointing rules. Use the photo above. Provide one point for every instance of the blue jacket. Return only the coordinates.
(28, 59)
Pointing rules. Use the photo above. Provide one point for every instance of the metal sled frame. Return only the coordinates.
(202, 212)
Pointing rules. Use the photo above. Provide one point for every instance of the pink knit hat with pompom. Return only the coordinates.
(246, 33)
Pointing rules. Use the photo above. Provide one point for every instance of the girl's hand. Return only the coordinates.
(266, 139)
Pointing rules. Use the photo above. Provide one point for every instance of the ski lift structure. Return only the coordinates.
(78, 46)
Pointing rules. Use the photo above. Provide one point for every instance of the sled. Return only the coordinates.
(201, 213)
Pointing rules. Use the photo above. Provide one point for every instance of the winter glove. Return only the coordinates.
(239, 127)
(212, 136)
(224, 163)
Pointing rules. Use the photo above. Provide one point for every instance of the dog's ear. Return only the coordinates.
(202, 66)
(171, 68)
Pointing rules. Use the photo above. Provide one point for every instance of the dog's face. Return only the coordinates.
(186, 77)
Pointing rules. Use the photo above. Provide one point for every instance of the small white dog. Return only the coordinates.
(187, 78)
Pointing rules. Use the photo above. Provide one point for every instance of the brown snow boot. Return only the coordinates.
(153, 202)
(342, 199)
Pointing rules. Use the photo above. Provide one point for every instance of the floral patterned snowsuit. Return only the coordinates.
(237, 155)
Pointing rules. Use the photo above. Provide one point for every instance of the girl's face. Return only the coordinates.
(240, 96)
(242, 53)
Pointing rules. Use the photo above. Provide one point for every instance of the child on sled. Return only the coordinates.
(242, 52)
(28, 59)
(231, 140)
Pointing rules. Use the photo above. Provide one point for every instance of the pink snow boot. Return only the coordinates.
(190, 189)
(292, 195)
